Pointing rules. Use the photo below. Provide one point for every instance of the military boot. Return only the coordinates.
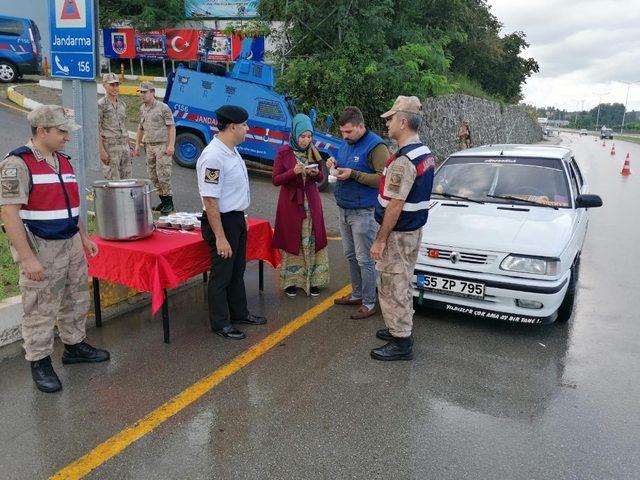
(168, 205)
(45, 377)
(83, 353)
(397, 349)
(159, 206)
(383, 334)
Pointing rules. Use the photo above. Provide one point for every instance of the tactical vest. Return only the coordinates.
(54, 202)
(349, 193)
(416, 207)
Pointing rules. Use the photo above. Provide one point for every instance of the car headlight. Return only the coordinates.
(535, 265)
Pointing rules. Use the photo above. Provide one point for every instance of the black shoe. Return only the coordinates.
(251, 320)
(383, 334)
(291, 291)
(314, 291)
(398, 349)
(167, 208)
(159, 206)
(230, 333)
(84, 353)
(45, 377)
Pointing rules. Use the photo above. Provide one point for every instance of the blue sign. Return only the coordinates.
(72, 39)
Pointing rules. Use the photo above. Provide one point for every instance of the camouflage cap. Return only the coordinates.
(110, 78)
(52, 116)
(146, 86)
(405, 105)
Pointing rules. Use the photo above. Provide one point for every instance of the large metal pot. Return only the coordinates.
(123, 209)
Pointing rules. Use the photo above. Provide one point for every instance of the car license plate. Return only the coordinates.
(451, 286)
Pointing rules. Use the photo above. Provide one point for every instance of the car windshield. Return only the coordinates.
(536, 180)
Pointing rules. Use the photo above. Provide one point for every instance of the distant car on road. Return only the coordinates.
(505, 233)
(606, 133)
(20, 51)
(583, 131)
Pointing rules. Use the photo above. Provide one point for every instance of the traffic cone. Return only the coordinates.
(613, 149)
(626, 170)
(604, 143)
(595, 139)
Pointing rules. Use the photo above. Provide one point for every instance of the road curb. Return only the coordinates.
(145, 78)
(127, 90)
(29, 104)
(20, 99)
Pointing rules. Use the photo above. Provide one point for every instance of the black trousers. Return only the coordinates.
(226, 293)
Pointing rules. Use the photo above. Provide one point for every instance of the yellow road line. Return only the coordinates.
(334, 238)
(116, 444)
(13, 107)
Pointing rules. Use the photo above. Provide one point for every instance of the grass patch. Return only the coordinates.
(469, 87)
(628, 139)
(8, 270)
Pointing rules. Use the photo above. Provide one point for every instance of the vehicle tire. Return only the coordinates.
(322, 186)
(8, 72)
(189, 146)
(566, 307)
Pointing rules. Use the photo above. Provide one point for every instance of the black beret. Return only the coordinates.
(231, 114)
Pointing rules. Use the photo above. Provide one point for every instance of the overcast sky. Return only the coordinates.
(583, 47)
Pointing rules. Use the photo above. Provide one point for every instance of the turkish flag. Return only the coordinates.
(182, 44)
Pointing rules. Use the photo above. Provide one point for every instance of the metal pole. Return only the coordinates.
(624, 112)
(141, 67)
(173, 66)
(78, 140)
(164, 68)
(131, 65)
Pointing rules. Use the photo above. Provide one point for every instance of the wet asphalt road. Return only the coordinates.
(481, 400)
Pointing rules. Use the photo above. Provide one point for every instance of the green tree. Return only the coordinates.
(610, 114)
(390, 47)
(143, 15)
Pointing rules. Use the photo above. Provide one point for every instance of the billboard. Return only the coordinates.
(221, 8)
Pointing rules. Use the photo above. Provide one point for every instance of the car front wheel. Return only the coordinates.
(566, 307)
(8, 73)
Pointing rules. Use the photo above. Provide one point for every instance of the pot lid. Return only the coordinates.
(129, 183)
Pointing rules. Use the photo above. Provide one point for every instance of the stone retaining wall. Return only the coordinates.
(489, 122)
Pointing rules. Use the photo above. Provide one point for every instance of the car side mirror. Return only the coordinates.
(588, 201)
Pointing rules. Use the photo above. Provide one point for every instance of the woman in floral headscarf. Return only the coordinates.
(299, 230)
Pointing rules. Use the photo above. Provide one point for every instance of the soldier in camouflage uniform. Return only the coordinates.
(158, 133)
(115, 154)
(464, 135)
(40, 202)
(402, 211)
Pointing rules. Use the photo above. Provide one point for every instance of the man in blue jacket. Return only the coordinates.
(359, 165)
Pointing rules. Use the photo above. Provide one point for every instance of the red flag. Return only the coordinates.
(182, 44)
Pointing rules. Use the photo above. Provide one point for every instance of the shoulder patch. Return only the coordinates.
(212, 175)
(10, 188)
(9, 172)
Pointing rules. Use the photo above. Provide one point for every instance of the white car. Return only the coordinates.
(505, 232)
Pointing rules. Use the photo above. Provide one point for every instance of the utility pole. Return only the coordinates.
(624, 112)
(600, 95)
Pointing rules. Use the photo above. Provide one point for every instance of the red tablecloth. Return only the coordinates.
(168, 258)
